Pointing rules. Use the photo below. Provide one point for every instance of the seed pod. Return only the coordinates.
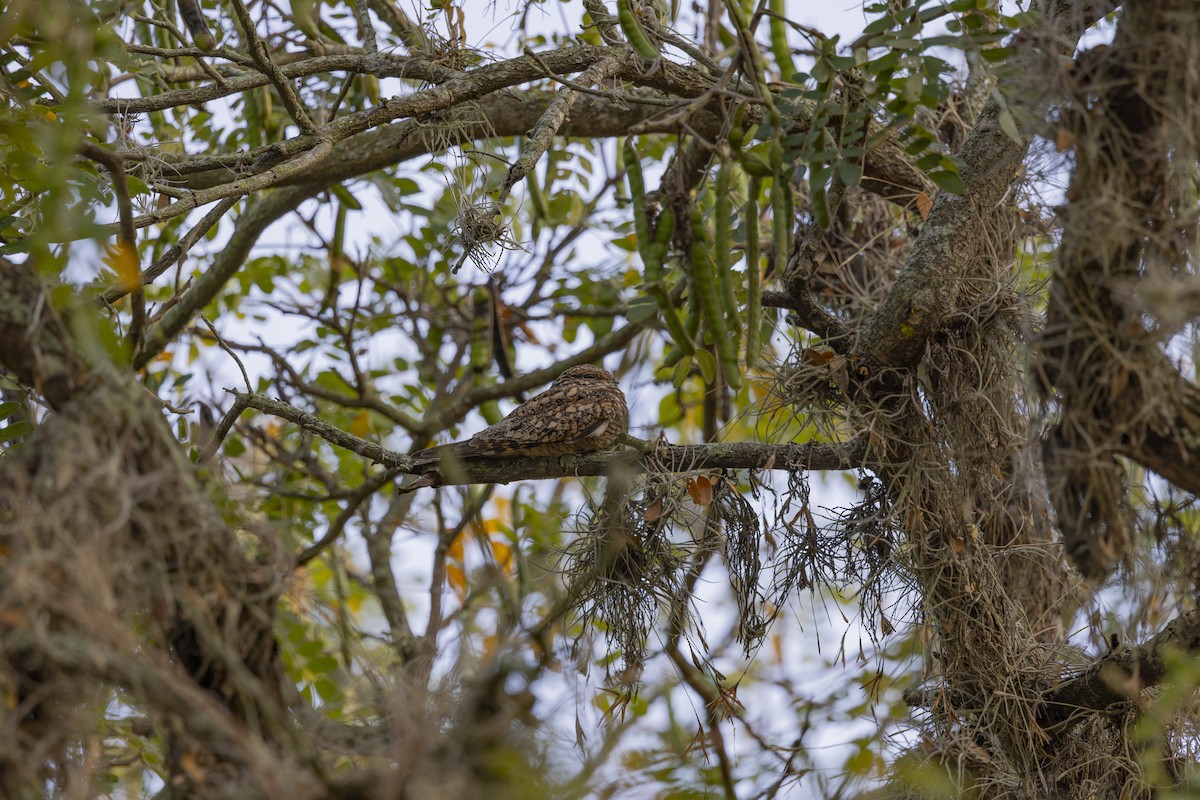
(723, 225)
(737, 134)
(704, 281)
(779, 42)
(633, 31)
(781, 224)
(664, 230)
(196, 24)
(481, 352)
(654, 285)
(754, 278)
(637, 194)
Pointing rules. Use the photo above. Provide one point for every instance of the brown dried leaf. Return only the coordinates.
(654, 510)
(924, 205)
(701, 490)
(818, 358)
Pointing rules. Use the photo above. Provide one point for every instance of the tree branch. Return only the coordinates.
(1121, 674)
(646, 457)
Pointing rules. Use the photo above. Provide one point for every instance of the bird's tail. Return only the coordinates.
(432, 455)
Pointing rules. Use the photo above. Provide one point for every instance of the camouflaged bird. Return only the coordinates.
(583, 411)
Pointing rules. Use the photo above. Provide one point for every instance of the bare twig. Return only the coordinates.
(222, 430)
(543, 133)
(233, 355)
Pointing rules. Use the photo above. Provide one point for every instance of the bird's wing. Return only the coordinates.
(527, 425)
(556, 416)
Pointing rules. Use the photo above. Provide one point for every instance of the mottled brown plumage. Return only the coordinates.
(583, 411)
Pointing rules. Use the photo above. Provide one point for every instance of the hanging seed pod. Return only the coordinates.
(754, 278)
(722, 227)
(633, 31)
(705, 282)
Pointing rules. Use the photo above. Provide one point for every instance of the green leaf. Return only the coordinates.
(8, 409)
(681, 371)
(708, 365)
(878, 26)
(234, 447)
(17, 429)
(1009, 125)
(994, 55)
(309, 648)
(949, 181)
(347, 199)
(641, 308)
(850, 173)
(322, 664)
(327, 690)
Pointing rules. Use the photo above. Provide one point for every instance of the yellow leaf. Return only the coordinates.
(458, 580)
(124, 261)
(502, 552)
(360, 426)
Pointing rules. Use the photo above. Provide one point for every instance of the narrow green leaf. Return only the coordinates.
(708, 365)
(681, 371)
(1009, 125)
(17, 429)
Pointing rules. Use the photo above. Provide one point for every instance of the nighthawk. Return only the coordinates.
(583, 411)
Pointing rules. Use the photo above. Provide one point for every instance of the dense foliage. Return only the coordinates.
(905, 324)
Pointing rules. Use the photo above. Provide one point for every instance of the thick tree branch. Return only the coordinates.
(1132, 124)
(542, 134)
